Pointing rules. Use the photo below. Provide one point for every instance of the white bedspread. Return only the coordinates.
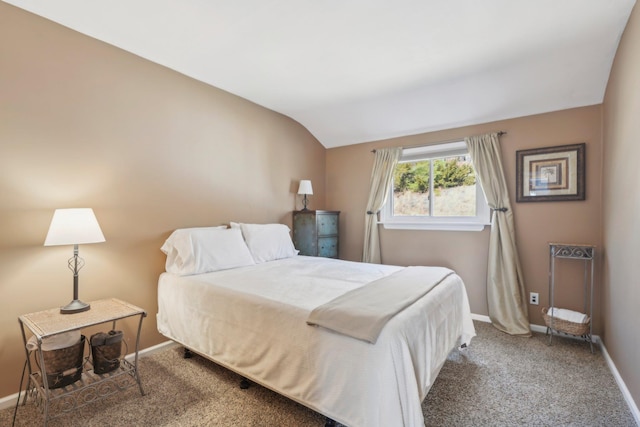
(253, 320)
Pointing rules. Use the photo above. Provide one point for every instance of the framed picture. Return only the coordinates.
(550, 174)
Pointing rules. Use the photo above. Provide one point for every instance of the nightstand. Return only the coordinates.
(315, 233)
(90, 387)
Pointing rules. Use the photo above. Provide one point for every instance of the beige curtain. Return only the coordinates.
(385, 162)
(505, 287)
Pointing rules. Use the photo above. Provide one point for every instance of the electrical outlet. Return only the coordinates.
(534, 298)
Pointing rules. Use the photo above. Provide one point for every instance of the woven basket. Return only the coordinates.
(64, 365)
(106, 357)
(565, 326)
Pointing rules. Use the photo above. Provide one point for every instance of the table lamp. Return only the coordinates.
(305, 188)
(74, 227)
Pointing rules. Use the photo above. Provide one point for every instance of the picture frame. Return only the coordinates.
(551, 173)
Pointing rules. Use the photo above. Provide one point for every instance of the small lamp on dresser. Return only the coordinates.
(305, 189)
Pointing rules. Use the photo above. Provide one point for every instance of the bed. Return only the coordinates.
(251, 314)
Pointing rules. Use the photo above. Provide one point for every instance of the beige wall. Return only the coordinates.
(537, 224)
(621, 208)
(83, 124)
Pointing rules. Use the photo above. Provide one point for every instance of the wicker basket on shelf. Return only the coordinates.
(565, 326)
(64, 365)
(106, 349)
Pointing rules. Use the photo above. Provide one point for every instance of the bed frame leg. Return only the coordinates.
(188, 354)
(329, 422)
(244, 383)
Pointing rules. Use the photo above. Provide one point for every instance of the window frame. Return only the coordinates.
(449, 223)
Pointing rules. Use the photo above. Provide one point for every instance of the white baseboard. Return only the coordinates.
(481, 318)
(10, 401)
(534, 328)
(621, 385)
(152, 350)
(487, 319)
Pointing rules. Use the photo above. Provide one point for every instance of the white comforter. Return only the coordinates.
(253, 321)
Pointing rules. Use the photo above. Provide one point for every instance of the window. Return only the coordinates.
(435, 188)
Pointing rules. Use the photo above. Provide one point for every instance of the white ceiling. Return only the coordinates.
(353, 71)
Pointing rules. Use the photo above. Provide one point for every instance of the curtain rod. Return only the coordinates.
(500, 133)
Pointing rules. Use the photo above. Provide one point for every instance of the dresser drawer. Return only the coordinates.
(327, 225)
(328, 247)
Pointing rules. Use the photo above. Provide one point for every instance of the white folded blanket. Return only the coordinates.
(55, 342)
(362, 312)
(568, 315)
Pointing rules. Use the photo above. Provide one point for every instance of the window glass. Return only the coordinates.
(435, 187)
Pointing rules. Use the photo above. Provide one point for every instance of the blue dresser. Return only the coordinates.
(315, 233)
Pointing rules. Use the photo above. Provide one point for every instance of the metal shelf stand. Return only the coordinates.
(587, 254)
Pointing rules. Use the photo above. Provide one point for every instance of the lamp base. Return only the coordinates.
(75, 306)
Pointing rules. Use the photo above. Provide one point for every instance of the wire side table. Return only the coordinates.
(586, 253)
(91, 386)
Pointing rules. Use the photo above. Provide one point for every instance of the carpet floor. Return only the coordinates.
(499, 380)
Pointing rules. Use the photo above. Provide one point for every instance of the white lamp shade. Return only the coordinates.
(74, 227)
(305, 187)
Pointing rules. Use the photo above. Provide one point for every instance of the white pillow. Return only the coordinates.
(267, 242)
(205, 249)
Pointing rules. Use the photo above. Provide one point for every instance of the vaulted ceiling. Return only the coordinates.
(354, 71)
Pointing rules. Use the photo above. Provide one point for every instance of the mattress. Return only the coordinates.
(252, 320)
